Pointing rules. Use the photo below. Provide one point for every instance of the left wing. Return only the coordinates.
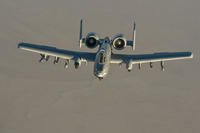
(149, 58)
(55, 52)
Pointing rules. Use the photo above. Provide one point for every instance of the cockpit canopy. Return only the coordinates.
(102, 57)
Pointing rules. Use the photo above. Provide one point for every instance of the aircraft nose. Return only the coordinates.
(98, 74)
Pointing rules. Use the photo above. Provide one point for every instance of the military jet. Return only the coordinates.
(104, 56)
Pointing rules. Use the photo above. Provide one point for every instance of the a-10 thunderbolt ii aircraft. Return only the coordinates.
(104, 56)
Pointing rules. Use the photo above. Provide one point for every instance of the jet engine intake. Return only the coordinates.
(119, 42)
(91, 40)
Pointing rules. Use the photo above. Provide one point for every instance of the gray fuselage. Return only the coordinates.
(102, 60)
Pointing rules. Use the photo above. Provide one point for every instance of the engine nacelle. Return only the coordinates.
(119, 42)
(91, 40)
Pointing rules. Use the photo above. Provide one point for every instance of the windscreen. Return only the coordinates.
(102, 58)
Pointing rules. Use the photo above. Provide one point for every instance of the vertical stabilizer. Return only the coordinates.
(134, 34)
(81, 33)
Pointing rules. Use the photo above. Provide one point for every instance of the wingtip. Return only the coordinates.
(20, 44)
(191, 55)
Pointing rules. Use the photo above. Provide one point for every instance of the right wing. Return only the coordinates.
(147, 58)
(55, 52)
